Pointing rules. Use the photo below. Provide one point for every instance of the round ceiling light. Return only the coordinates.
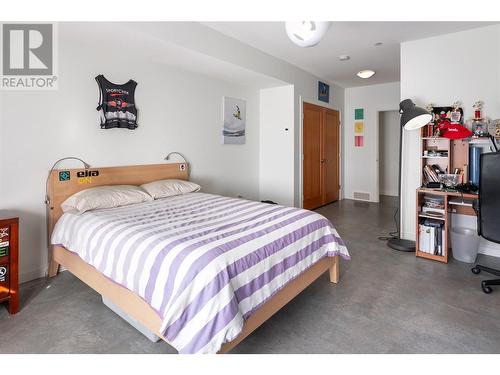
(306, 33)
(365, 73)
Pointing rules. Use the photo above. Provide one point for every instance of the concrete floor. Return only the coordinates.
(386, 302)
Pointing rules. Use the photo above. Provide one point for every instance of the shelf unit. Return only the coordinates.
(421, 194)
(458, 158)
(464, 209)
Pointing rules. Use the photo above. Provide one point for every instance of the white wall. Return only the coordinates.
(277, 144)
(462, 66)
(360, 163)
(178, 110)
(389, 130)
(217, 45)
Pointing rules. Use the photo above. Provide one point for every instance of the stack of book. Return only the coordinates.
(431, 237)
(439, 153)
(429, 130)
(432, 172)
(433, 203)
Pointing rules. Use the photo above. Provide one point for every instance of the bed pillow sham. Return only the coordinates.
(168, 188)
(105, 197)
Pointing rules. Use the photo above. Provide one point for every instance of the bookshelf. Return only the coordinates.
(449, 156)
(422, 218)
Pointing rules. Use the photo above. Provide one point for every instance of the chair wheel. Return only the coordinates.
(475, 270)
(487, 289)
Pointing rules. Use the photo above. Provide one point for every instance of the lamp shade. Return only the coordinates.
(413, 117)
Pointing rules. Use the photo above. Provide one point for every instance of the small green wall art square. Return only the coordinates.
(323, 92)
(359, 114)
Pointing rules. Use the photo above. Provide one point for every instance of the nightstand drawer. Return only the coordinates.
(4, 280)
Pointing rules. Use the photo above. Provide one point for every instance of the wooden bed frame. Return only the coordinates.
(64, 183)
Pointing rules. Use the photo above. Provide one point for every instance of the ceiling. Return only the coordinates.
(356, 39)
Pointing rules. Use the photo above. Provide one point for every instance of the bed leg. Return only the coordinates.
(53, 268)
(334, 270)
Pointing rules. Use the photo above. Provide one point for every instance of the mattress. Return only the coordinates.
(203, 262)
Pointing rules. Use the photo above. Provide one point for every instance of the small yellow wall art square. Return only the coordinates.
(359, 127)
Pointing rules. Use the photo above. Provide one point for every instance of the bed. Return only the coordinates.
(202, 271)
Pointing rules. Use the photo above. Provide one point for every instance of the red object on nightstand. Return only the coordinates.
(9, 248)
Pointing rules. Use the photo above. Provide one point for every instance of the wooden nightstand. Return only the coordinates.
(9, 242)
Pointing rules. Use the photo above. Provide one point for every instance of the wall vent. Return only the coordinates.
(361, 196)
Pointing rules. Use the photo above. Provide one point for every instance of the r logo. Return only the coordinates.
(27, 49)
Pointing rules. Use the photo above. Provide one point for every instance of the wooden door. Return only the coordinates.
(331, 156)
(312, 187)
(320, 156)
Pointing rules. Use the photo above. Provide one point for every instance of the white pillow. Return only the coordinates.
(104, 197)
(168, 188)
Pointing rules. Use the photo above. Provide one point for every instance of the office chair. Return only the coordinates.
(488, 210)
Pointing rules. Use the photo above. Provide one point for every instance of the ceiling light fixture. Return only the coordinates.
(344, 57)
(306, 33)
(378, 44)
(365, 73)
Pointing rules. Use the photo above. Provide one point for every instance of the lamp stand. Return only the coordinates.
(398, 243)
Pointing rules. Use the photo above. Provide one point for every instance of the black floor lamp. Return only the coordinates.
(412, 118)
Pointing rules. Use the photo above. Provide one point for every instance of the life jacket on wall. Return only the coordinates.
(117, 104)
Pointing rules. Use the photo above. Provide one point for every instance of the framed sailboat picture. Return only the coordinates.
(234, 111)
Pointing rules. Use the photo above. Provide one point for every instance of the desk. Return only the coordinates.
(448, 208)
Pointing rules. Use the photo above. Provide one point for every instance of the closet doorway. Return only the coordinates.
(320, 147)
(388, 153)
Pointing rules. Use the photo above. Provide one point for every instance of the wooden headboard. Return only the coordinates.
(65, 182)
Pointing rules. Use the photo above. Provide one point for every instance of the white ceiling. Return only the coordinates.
(355, 39)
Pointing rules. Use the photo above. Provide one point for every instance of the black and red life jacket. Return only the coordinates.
(117, 104)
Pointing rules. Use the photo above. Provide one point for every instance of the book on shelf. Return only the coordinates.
(431, 211)
(431, 237)
(434, 202)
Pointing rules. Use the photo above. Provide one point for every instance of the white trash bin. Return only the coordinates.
(464, 244)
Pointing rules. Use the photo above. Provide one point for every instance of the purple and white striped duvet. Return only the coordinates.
(204, 262)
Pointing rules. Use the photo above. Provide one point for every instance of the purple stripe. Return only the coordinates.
(180, 211)
(209, 255)
(208, 222)
(241, 265)
(176, 263)
(113, 222)
(168, 247)
(256, 307)
(161, 228)
(277, 269)
(214, 326)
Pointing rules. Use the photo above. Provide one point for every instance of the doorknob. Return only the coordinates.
(323, 161)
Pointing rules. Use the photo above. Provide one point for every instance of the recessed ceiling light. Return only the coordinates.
(378, 44)
(365, 73)
(344, 57)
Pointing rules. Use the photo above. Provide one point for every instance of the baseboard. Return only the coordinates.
(31, 275)
(489, 248)
(389, 193)
(408, 236)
